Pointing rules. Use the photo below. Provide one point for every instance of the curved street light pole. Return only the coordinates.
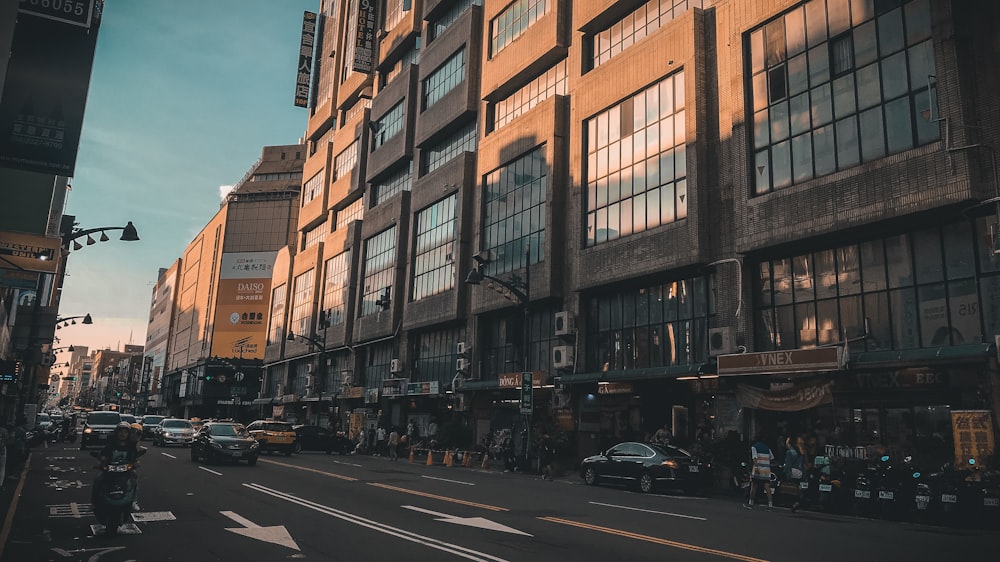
(321, 376)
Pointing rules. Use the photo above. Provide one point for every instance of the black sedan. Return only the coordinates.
(647, 466)
(218, 441)
(316, 438)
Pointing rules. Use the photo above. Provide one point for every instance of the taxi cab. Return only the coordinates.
(274, 436)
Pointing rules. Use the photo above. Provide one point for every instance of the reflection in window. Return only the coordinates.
(514, 21)
(313, 188)
(550, 83)
(634, 27)
(276, 323)
(401, 179)
(444, 79)
(354, 211)
(440, 153)
(379, 272)
(874, 63)
(302, 292)
(434, 356)
(434, 255)
(388, 126)
(346, 161)
(637, 163)
(514, 212)
(336, 272)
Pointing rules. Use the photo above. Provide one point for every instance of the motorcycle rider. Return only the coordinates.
(121, 448)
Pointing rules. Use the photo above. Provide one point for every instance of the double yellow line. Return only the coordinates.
(654, 540)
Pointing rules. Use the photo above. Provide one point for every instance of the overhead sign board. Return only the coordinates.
(394, 387)
(28, 252)
(778, 362)
(527, 403)
(17, 279)
(303, 76)
(422, 388)
(242, 305)
(73, 12)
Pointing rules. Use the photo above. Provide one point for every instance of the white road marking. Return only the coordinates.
(480, 522)
(73, 510)
(348, 463)
(650, 511)
(168, 455)
(210, 470)
(148, 516)
(276, 534)
(429, 542)
(447, 480)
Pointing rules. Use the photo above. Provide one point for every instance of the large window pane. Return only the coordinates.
(825, 151)
(934, 327)
(927, 250)
(899, 132)
(873, 265)
(826, 274)
(991, 303)
(848, 148)
(805, 321)
(879, 323)
(872, 134)
(903, 306)
(828, 322)
(963, 304)
(958, 250)
(899, 261)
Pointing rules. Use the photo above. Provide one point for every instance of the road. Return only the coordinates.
(313, 506)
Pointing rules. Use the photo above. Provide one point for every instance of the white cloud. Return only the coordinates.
(224, 190)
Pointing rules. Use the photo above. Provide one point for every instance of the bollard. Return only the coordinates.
(411, 455)
(486, 461)
(467, 460)
(430, 459)
(448, 461)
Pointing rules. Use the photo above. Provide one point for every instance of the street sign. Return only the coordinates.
(526, 396)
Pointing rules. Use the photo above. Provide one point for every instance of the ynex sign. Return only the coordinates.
(776, 362)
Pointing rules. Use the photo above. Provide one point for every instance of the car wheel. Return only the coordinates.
(645, 482)
(590, 476)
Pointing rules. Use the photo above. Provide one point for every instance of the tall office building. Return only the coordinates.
(712, 215)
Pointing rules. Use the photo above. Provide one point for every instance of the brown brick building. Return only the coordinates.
(650, 188)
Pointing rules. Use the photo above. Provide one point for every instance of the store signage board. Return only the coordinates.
(778, 362)
(526, 392)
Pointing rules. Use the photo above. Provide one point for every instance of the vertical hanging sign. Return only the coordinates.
(364, 38)
(303, 76)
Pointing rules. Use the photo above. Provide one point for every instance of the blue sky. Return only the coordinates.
(183, 96)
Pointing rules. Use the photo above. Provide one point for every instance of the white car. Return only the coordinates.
(174, 432)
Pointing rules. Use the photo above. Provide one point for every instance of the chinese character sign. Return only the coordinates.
(973, 434)
(242, 303)
(364, 38)
(303, 76)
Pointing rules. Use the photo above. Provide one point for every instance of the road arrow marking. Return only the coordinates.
(480, 522)
(277, 534)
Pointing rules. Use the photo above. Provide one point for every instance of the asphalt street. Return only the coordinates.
(330, 507)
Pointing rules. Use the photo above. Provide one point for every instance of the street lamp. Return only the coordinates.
(520, 290)
(63, 322)
(129, 234)
(324, 323)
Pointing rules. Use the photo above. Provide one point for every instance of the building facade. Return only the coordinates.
(711, 215)
(208, 312)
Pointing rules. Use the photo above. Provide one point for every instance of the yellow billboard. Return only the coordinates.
(241, 306)
(973, 433)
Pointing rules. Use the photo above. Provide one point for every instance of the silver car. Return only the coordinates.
(174, 432)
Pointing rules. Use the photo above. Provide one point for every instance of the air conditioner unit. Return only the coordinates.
(396, 366)
(346, 377)
(565, 323)
(463, 349)
(720, 341)
(562, 356)
(462, 364)
(309, 367)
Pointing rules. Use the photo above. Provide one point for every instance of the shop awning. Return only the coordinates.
(651, 373)
(258, 401)
(967, 352)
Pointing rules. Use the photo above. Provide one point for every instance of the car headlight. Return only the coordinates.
(88, 430)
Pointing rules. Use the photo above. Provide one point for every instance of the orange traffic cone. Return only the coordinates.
(448, 460)
(467, 460)
(411, 455)
(486, 461)
(430, 459)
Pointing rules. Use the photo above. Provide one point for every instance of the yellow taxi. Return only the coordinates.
(274, 436)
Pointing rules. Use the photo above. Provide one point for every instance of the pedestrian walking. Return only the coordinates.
(795, 467)
(380, 441)
(546, 456)
(760, 458)
(5, 437)
(393, 445)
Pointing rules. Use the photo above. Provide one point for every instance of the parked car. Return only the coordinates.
(150, 425)
(43, 422)
(99, 427)
(224, 441)
(274, 436)
(129, 419)
(647, 466)
(316, 438)
(196, 424)
(174, 432)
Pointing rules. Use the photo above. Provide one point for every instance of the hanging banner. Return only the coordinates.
(973, 434)
(303, 77)
(242, 305)
(364, 38)
(801, 397)
(45, 89)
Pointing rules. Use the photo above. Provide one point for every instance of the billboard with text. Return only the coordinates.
(242, 302)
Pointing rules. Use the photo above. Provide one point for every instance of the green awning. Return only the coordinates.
(967, 352)
(651, 373)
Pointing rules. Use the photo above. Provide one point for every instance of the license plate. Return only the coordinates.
(883, 495)
(237, 453)
(862, 494)
(693, 468)
(923, 499)
(826, 487)
(949, 498)
(991, 502)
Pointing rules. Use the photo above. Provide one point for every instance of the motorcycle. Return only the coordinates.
(739, 483)
(114, 493)
(67, 435)
(893, 487)
(922, 497)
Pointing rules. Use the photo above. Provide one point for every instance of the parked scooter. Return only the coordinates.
(863, 501)
(114, 493)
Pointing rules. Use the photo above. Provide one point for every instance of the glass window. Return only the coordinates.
(550, 83)
(444, 79)
(514, 21)
(436, 155)
(388, 126)
(379, 272)
(927, 251)
(514, 218)
(337, 273)
(434, 255)
(302, 303)
(346, 161)
(400, 179)
(276, 323)
(959, 250)
(870, 73)
(313, 188)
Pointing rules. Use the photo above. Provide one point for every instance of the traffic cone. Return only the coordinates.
(467, 460)
(430, 459)
(411, 455)
(448, 461)
(486, 461)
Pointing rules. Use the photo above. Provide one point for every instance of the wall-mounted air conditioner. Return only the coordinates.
(720, 341)
(565, 323)
(562, 356)
(396, 366)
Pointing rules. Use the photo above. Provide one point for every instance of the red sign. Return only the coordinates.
(775, 362)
